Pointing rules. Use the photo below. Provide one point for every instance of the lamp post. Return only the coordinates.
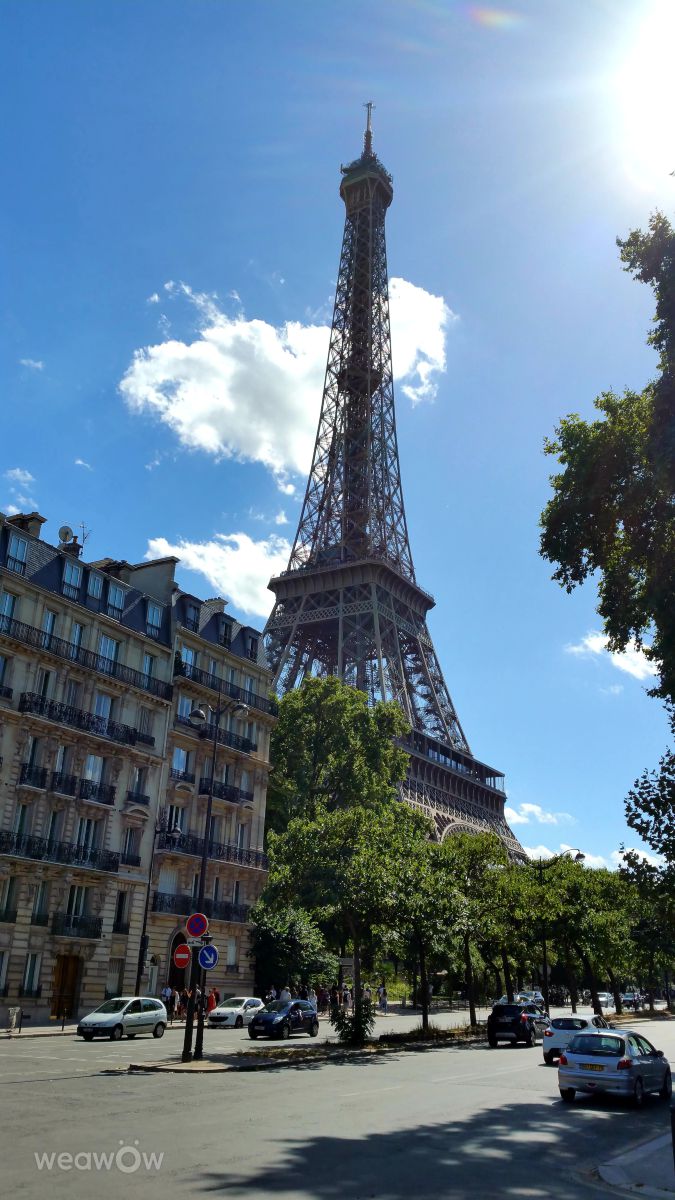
(175, 833)
(542, 865)
(199, 719)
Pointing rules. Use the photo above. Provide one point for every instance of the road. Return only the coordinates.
(449, 1122)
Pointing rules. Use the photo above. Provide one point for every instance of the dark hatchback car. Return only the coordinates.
(516, 1023)
(281, 1018)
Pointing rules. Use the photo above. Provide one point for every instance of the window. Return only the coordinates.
(236, 892)
(213, 667)
(184, 706)
(131, 843)
(149, 663)
(76, 635)
(146, 721)
(244, 780)
(153, 619)
(249, 684)
(33, 751)
(115, 601)
(191, 617)
(86, 833)
(73, 693)
(216, 889)
(180, 759)
(62, 761)
(21, 822)
(77, 900)
(4, 662)
(174, 817)
(72, 578)
(108, 649)
(226, 634)
(195, 885)
(48, 623)
(41, 901)
(7, 606)
(114, 981)
(54, 828)
(103, 705)
(8, 895)
(95, 586)
(253, 649)
(43, 682)
(121, 906)
(242, 836)
(17, 552)
(231, 952)
(188, 656)
(4, 960)
(93, 768)
(31, 974)
(138, 780)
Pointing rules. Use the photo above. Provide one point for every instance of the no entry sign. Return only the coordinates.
(182, 956)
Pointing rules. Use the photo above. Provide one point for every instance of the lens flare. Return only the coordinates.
(645, 87)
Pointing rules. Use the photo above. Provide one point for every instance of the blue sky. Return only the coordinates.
(172, 224)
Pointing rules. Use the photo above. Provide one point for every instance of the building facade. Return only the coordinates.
(104, 779)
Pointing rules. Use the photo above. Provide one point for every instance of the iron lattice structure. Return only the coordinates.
(349, 603)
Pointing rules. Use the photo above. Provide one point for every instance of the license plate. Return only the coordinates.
(591, 1067)
(504, 1020)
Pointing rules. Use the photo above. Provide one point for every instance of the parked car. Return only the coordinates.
(128, 1015)
(237, 1011)
(534, 997)
(563, 1029)
(622, 1063)
(516, 1023)
(281, 1018)
(606, 1000)
(632, 1000)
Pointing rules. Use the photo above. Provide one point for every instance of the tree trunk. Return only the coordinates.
(597, 1007)
(469, 980)
(424, 988)
(498, 978)
(508, 981)
(358, 998)
(615, 991)
(572, 982)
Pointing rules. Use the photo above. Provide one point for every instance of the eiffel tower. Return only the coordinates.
(349, 603)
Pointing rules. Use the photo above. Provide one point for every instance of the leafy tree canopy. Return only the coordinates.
(288, 945)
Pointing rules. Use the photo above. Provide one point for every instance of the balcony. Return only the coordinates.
(218, 910)
(7, 916)
(15, 564)
(191, 623)
(138, 798)
(5, 692)
(181, 776)
(226, 738)
(77, 718)
(31, 993)
(68, 925)
(65, 785)
(222, 791)
(130, 860)
(102, 793)
(70, 590)
(31, 776)
(196, 675)
(25, 845)
(188, 843)
(28, 635)
(40, 918)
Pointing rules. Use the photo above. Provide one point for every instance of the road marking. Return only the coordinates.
(371, 1091)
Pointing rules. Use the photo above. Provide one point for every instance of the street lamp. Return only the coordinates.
(199, 719)
(543, 864)
(174, 833)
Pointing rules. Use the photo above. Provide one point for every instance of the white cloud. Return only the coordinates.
(11, 510)
(19, 476)
(617, 857)
(281, 518)
(33, 364)
(79, 462)
(525, 813)
(249, 390)
(236, 565)
(153, 299)
(539, 852)
(632, 660)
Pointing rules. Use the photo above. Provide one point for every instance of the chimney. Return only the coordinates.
(30, 523)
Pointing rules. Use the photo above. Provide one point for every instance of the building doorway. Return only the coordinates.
(177, 975)
(66, 985)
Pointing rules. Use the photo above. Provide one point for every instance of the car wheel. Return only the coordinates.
(239, 1023)
(567, 1094)
(548, 1057)
(285, 1031)
(314, 1029)
(88, 1037)
(131, 1035)
(638, 1093)
(116, 1033)
(492, 1043)
(252, 1033)
(667, 1088)
(158, 1031)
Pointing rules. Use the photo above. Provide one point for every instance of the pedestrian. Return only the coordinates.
(211, 1002)
(367, 994)
(346, 999)
(304, 992)
(169, 1004)
(384, 1000)
(285, 993)
(166, 993)
(313, 998)
(272, 993)
(184, 1001)
(217, 996)
(176, 1003)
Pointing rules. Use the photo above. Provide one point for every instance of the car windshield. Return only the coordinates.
(234, 1002)
(112, 1006)
(510, 1010)
(594, 1045)
(277, 1006)
(569, 1023)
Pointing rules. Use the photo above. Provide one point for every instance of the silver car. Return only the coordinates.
(121, 1015)
(622, 1063)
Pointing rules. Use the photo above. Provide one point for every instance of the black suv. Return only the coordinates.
(516, 1023)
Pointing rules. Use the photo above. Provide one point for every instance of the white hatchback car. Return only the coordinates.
(236, 1010)
(563, 1029)
(124, 1015)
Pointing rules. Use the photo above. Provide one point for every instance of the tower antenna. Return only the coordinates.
(368, 135)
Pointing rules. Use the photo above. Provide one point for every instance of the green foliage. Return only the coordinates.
(288, 945)
(650, 805)
(612, 510)
(354, 1029)
(331, 750)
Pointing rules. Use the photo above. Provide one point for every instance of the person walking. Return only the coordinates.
(170, 1005)
(211, 1002)
(384, 1000)
(285, 993)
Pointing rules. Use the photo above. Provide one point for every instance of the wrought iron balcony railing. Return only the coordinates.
(196, 675)
(121, 927)
(218, 910)
(65, 714)
(64, 784)
(138, 798)
(28, 635)
(40, 918)
(8, 916)
(188, 843)
(223, 791)
(25, 845)
(130, 860)
(15, 564)
(33, 776)
(5, 692)
(103, 793)
(226, 738)
(181, 776)
(68, 925)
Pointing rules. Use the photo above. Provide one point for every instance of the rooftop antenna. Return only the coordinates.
(86, 533)
(368, 135)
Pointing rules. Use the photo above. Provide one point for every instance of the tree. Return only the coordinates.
(331, 750)
(650, 806)
(287, 944)
(612, 510)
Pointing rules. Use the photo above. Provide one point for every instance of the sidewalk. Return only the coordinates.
(647, 1170)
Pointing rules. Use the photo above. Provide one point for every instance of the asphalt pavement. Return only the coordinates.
(459, 1121)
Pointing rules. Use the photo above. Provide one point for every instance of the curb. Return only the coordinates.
(617, 1172)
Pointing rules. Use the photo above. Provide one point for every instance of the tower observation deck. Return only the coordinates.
(349, 603)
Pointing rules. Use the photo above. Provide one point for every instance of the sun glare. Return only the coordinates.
(646, 96)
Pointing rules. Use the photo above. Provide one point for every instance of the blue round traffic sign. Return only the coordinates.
(197, 925)
(208, 957)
